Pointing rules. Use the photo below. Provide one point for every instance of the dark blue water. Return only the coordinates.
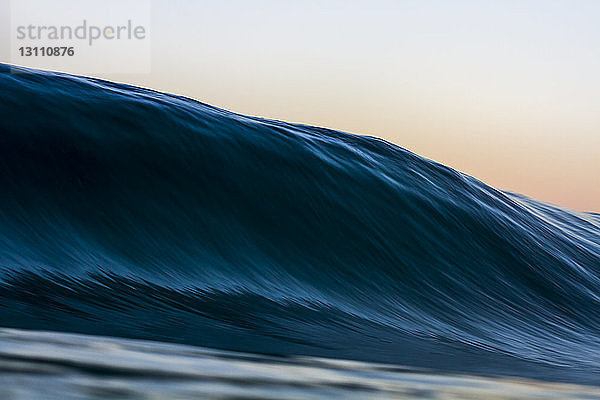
(128, 212)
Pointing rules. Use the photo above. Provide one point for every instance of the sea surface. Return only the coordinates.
(133, 214)
(49, 365)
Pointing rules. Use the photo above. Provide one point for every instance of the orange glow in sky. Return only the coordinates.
(506, 91)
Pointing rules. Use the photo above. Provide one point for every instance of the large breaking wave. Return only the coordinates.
(128, 212)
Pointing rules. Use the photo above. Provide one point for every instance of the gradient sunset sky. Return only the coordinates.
(506, 91)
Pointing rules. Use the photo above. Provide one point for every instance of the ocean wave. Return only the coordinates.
(133, 213)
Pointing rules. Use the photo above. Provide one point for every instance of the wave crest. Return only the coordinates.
(135, 213)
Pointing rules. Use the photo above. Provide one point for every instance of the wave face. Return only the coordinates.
(127, 212)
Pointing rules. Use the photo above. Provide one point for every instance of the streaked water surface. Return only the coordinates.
(129, 213)
(68, 366)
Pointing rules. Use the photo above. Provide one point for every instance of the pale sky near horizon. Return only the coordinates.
(506, 91)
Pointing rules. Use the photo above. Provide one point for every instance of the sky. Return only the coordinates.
(506, 91)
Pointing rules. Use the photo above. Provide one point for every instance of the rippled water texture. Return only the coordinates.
(130, 213)
(66, 366)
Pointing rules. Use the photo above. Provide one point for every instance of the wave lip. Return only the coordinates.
(128, 212)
